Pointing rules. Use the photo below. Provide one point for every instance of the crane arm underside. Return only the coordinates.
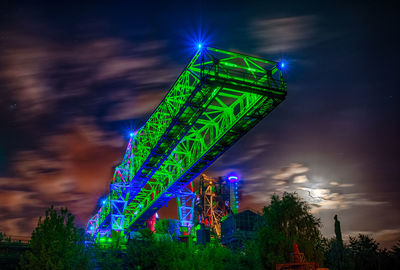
(218, 97)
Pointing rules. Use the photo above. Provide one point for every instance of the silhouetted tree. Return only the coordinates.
(4, 237)
(287, 219)
(338, 257)
(109, 258)
(395, 255)
(10, 252)
(56, 243)
(364, 252)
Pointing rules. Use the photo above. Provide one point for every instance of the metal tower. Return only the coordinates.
(213, 202)
(219, 96)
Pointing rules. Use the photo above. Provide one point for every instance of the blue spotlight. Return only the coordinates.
(199, 45)
(133, 133)
(104, 201)
(233, 178)
(282, 65)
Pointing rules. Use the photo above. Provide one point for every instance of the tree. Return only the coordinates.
(167, 226)
(162, 225)
(364, 251)
(109, 258)
(395, 255)
(142, 251)
(146, 252)
(287, 219)
(338, 255)
(56, 243)
(10, 252)
(4, 238)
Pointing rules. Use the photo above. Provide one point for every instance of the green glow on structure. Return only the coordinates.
(218, 97)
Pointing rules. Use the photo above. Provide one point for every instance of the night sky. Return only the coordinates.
(75, 78)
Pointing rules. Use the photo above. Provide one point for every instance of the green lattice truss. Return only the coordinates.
(218, 97)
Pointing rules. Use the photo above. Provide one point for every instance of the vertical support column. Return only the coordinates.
(185, 200)
(118, 205)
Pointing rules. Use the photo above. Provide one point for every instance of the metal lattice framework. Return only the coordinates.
(212, 206)
(185, 200)
(219, 96)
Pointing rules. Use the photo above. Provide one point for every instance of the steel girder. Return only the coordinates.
(243, 93)
(218, 97)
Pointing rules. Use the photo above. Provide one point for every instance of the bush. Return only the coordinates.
(56, 244)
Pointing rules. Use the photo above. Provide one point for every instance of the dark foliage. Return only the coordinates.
(146, 252)
(362, 252)
(10, 252)
(56, 243)
(287, 219)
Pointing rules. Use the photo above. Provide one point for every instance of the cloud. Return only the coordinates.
(9, 183)
(259, 187)
(12, 226)
(15, 200)
(256, 148)
(285, 34)
(346, 185)
(70, 155)
(45, 74)
(29, 164)
(326, 199)
(135, 106)
(300, 179)
(280, 183)
(322, 194)
(70, 169)
(286, 172)
(87, 163)
(388, 237)
(336, 184)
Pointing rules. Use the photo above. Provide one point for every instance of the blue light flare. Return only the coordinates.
(233, 178)
(284, 63)
(197, 38)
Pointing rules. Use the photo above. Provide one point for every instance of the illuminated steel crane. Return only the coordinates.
(213, 201)
(219, 96)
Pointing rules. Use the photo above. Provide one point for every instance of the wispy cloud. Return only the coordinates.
(285, 34)
(15, 200)
(44, 74)
(72, 155)
(13, 226)
(135, 106)
(322, 195)
(70, 169)
(286, 172)
(324, 199)
(300, 179)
